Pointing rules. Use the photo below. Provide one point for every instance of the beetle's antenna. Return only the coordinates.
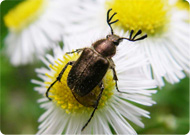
(138, 33)
(131, 34)
(109, 20)
(133, 38)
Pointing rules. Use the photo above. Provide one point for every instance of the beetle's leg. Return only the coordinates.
(58, 78)
(101, 85)
(115, 78)
(77, 50)
(47, 92)
(114, 74)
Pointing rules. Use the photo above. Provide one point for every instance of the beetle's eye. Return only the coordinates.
(116, 43)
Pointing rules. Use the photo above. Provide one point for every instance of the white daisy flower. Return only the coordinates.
(64, 114)
(165, 22)
(33, 25)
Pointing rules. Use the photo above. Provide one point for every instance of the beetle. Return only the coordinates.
(89, 69)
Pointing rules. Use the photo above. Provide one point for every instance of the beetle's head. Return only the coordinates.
(114, 39)
(107, 47)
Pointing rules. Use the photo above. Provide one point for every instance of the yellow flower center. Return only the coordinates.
(182, 4)
(23, 14)
(148, 15)
(62, 95)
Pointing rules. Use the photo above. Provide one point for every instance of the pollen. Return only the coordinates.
(23, 14)
(151, 16)
(182, 4)
(62, 95)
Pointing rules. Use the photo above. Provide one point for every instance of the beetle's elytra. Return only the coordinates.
(89, 69)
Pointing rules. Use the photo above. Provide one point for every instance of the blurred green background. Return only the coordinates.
(20, 110)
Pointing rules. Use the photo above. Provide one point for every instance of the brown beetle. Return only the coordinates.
(90, 68)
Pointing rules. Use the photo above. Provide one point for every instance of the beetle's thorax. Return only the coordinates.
(107, 47)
